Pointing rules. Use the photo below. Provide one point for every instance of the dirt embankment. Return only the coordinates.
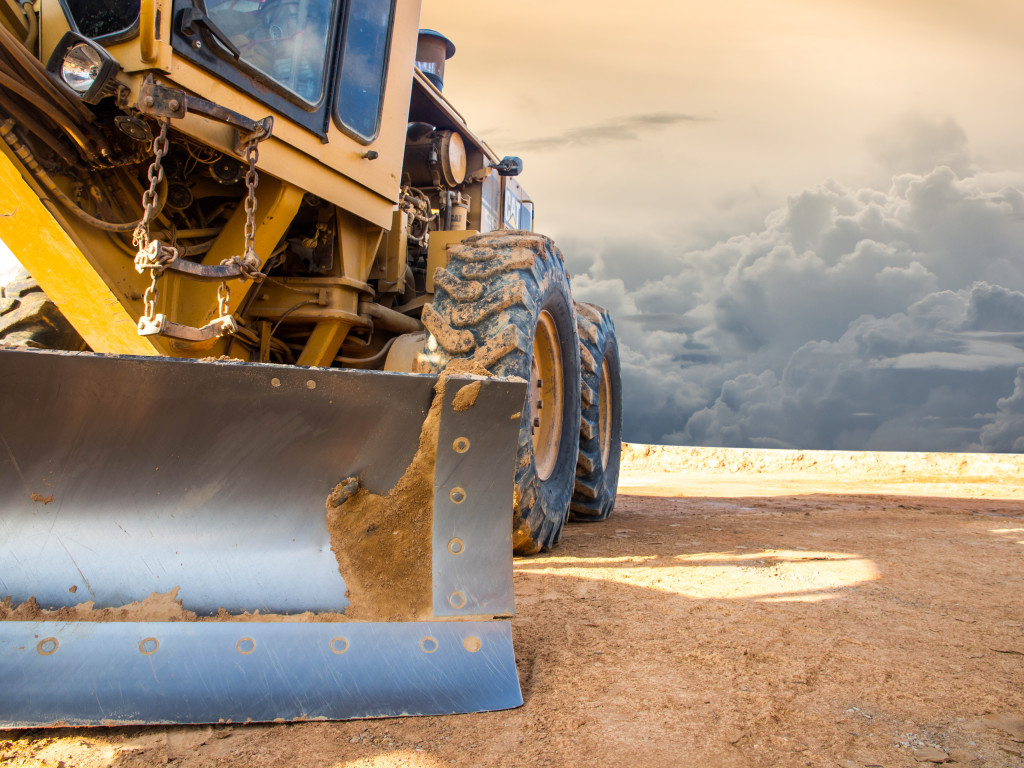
(740, 608)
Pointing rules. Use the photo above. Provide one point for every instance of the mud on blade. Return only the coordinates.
(222, 486)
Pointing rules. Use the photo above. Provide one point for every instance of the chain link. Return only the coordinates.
(150, 255)
(249, 264)
(252, 180)
(223, 296)
(149, 300)
(161, 146)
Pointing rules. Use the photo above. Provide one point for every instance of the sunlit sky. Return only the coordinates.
(806, 216)
(772, 97)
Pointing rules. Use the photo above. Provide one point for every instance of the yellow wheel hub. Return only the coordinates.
(604, 419)
(547, 382)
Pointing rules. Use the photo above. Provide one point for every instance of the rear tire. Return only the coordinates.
(29, 319)
(600, 451)
(503, 305)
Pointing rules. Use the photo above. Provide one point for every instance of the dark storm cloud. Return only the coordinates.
(1006, 430)
(619, 129)
(854, 319)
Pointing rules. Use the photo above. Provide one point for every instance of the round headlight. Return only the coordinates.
(81, 67)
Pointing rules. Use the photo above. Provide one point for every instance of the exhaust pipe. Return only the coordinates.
(432, 50)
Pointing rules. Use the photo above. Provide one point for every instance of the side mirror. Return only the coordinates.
(509, 166)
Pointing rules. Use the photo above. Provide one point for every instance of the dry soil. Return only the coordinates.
(740, 608)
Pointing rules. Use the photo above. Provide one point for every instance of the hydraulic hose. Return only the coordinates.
(26, 157)
(48, 108)
(76, 112)
(32, 33)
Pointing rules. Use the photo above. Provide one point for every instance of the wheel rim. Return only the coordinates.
(546, 387)
(604, 421)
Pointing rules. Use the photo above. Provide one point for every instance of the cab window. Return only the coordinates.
(364, 56)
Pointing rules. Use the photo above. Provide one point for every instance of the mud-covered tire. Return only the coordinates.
(29, 319)
(502, 301)
(600, 447)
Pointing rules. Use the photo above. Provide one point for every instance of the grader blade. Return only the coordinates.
(194, 542)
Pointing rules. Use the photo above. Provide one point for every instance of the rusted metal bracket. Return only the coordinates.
(159, 257)
(157, 100)
(161, 326)
(233, 269)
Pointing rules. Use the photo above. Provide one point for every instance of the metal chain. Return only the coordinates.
(150, 254)
(154, 256)
(252, 155)
(156, 175)
(249, 264)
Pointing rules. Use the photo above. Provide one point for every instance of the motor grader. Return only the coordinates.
(289, 376)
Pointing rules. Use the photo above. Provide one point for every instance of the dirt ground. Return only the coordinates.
(741, 608)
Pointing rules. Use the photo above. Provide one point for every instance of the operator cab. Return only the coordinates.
(311, 60)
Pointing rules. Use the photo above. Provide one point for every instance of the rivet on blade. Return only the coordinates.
(428, 644)
(149, 646)
(245, 646)
(457, 600)
(47, 646)
(461, 444)
(456, 546)
(339, 645)
(458, 495)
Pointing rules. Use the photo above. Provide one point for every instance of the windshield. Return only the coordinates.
(284, 39)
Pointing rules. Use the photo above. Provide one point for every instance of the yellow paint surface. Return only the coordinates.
(51, 256)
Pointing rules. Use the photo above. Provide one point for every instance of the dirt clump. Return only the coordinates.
(383, 543)
(159, 606)
(466, 397)
(470, 366)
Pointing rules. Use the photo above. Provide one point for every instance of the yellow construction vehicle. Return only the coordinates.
(289, 375)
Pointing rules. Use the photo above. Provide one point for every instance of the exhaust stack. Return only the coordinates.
(432, 50)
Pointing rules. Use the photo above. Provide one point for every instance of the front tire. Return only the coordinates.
(29, 319)
(503, 304)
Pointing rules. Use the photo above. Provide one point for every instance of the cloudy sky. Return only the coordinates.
(807, 216)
